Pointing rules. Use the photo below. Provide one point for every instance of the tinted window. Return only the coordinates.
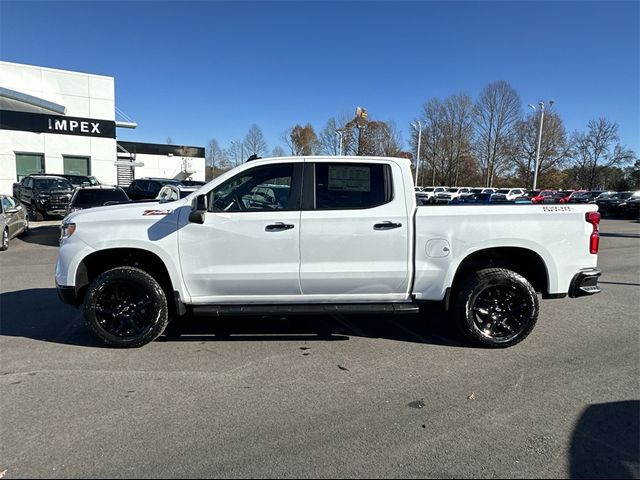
(140, 185)
(53, 184)
(351, 185)
(6, 204)
(98, 197)
(257, 189)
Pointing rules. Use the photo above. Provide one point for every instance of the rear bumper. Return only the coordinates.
(585, 283)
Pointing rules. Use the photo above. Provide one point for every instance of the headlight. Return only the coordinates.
(66, 230)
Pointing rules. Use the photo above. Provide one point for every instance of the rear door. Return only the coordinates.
(354, 241)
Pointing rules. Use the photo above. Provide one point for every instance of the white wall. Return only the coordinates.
(84, 95)
(169, 167)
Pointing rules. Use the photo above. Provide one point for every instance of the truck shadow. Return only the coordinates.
(38, 314)
(47, 235)
(606, 441)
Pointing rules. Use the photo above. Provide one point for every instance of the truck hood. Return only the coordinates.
(126, 211)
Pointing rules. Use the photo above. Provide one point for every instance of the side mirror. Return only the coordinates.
(198, 209)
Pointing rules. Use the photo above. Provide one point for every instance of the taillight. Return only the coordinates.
(594, 240)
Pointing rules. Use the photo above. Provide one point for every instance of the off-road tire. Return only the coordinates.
(507, 302)
(140, 294)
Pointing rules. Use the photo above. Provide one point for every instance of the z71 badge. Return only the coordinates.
(150, 213)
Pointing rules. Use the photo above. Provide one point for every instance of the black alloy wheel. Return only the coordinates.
(496, 307)
(126, 307)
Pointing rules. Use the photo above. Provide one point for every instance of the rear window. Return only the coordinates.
(343, 186)
(503, 190)
(99, 197)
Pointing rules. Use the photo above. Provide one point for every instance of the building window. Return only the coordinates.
(76, 165)
(29, 164)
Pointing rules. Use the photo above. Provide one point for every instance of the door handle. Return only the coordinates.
(386, 226)
(278, 227)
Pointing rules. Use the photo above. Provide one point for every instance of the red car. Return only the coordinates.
(540, 197)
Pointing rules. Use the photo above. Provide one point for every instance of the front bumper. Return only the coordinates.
(67, 295)
(585, 283)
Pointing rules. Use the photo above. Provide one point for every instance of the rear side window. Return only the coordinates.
(344, 186)
(99, 197)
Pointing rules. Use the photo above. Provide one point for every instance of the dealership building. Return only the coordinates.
(57, 121)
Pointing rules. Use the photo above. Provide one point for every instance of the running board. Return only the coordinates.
(306, 309)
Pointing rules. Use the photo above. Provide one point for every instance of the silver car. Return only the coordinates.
(13, 220)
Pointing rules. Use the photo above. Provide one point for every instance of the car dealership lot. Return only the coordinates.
(274, 397)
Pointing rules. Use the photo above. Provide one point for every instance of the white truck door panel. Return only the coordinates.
(249, 243)
(355, 252)
(235, 254)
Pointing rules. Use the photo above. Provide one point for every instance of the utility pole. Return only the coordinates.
(418, 126)
(339, 134)
(537, 166)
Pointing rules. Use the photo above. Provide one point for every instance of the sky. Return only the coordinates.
(193, 71)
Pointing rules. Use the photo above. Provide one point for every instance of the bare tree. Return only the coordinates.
(329, 141)
(278, 151)
(254, 142)
(597, 150)
(304, 140)
(555, 148)
(213, 153)
(236, 153)
(496, 112)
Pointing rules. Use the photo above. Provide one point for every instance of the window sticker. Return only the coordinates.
(348, 178)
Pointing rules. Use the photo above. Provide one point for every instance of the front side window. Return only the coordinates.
(343, 186)
(6, 205)
(258, 189)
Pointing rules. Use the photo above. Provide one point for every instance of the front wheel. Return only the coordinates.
(496, 307)
(126, 307)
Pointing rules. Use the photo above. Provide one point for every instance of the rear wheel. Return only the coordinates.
(126, 307)
(496, 307)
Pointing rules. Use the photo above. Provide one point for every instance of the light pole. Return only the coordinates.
(535, 172)
(418, 126)
(339, 134)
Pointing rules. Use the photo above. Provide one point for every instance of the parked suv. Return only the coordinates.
(44, 194)
(148, 188)
(88, 197)
(508, 194)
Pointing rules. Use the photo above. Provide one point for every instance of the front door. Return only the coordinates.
(247, 249)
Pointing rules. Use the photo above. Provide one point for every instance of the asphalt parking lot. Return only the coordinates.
(275, 397)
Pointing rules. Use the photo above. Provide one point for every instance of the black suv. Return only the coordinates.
(44, 194)
(88, 197)
(148, 188)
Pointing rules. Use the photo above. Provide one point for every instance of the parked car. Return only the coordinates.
(427, 194)
(609, 206)
(563, 196)
(544, 196)
(352, 240)
(580, 196)
(76, 180)
(474, 198)
(192, 183)
(170, 193)
(621, 208)
(602, 196)
(451, 193)
(148, 188)
(44, 195)
(508, 193)
(631, 207)
(13, 220)
(89, 197)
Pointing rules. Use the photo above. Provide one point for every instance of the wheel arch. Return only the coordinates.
(521, 260)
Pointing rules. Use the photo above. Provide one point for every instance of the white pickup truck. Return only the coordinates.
(311, 235)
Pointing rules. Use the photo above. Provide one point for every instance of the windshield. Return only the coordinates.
(80, 179)
(428, 189)
(503, 190)
(453, 190)
(99, 197)
(53, 184)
